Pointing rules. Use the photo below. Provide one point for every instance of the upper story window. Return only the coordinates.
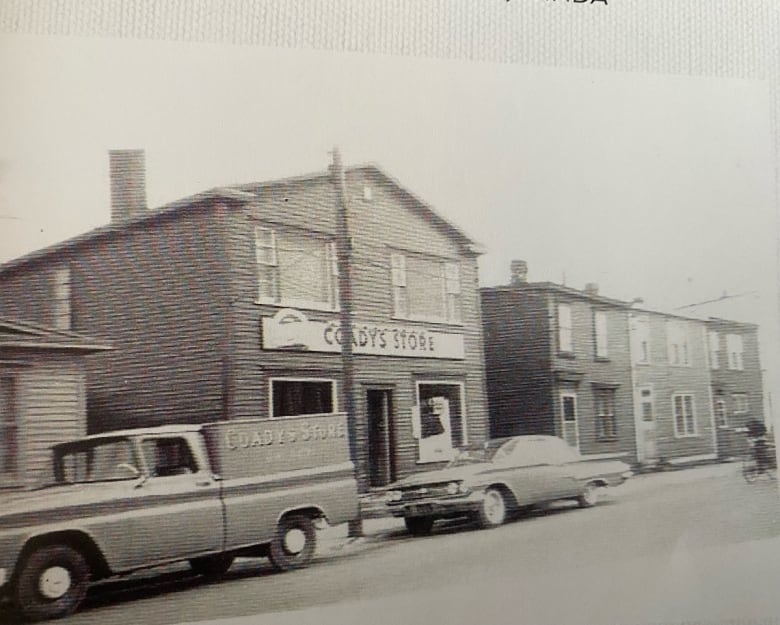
(61, 300)
(600, 332)
(642, 340)
(9, 440)
(677, 340)
(565, 343)
(714, 347)
(425, 288)
(734, 352)
(296, 269)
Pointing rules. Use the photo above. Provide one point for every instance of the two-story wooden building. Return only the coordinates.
(737, 382)
(671, 376)
(225, 305)
(557, 362)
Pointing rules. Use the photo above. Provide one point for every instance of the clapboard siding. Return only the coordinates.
(517, 362)
(668, 380)
(50, 405)
(154, 292)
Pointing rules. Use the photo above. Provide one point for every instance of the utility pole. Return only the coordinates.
(344, 256)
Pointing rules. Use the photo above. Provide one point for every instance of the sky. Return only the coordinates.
(653, 186)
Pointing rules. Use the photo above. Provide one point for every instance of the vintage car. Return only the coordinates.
(505, 475)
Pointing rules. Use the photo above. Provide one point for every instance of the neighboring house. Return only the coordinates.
(42, 397)
(557, 362)
(224, 305)
(671, 377)
(737, 389)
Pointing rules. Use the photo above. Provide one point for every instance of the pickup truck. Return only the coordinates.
(127, 500)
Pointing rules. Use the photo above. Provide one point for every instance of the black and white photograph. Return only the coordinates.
(389, 312)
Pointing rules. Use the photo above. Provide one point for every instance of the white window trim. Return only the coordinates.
(565, 349)
(735, 349)
(398, 280)
(677, 433)
(331, 257)
(283, 378)
(601, 333)
(713, 340)
(62, 298)
(573, 395)
(613, 395)
(677, 335)
(462, 385)
(642, 335)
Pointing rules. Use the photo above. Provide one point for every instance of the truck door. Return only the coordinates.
(181, 506)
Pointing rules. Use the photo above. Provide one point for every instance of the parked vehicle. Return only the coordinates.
(490, 482)
(134, 499)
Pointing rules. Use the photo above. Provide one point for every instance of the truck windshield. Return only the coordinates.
(95, 461)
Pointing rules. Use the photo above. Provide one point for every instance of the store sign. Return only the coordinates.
(290, 330)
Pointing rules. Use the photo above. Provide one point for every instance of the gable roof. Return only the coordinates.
(26, 335)
(241, 194)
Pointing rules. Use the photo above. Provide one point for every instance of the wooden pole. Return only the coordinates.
(344, 256)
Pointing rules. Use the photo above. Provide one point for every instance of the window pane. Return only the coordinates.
(425, 288)
(600, 320)
(300, 397)
(564, 328)
(305, 271)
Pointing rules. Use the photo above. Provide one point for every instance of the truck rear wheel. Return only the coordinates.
(294, 543)
(51, 583)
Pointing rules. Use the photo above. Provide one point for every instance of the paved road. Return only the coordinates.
(645, 553)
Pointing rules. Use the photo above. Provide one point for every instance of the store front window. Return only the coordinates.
(291, 397)
(439, 420)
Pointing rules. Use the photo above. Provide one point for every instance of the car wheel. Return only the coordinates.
(493, 511)
(212, 567)
(294, 543)
(419, 525)
(52, 583)
(591, 495)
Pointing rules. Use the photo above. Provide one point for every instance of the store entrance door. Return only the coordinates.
(379, 413)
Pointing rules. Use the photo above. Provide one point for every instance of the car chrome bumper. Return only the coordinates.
(439, 507)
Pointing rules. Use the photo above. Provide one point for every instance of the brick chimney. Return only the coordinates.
(518, 270)
(127, 172)
(591, 288)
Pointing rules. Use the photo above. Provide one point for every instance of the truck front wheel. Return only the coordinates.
(294, 542)
(51, 583)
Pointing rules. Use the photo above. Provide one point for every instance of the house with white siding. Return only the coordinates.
(42, 397)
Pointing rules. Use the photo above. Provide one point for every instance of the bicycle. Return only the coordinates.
(752, 469)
